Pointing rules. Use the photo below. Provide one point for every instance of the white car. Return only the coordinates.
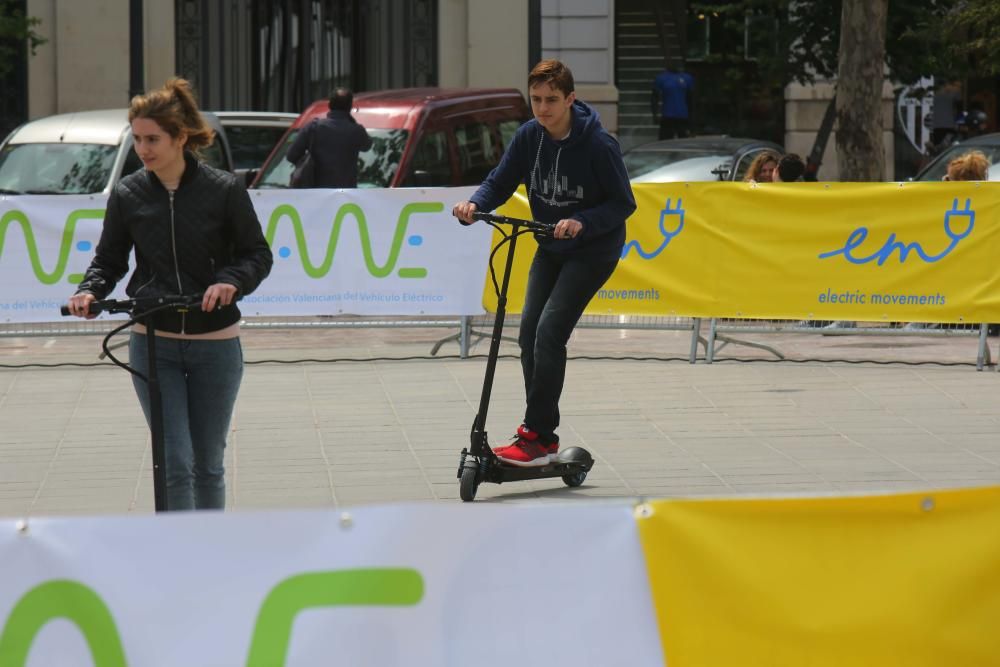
(706, 158)
(86, 152)
(252, 136)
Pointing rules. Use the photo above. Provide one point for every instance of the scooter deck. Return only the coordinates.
(498, 474)
(570, 462)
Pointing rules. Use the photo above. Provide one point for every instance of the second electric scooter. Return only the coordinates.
(478, 463)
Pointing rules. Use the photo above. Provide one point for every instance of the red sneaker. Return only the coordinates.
(527, 451)
(524, 454)
(551, 448)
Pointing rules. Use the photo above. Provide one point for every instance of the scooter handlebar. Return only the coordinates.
(95, 308)
(141, 304)
(543, 228)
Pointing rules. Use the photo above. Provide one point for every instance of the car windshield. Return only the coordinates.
(675, 165)
(376, 166)
(939, 168)
(62, 169)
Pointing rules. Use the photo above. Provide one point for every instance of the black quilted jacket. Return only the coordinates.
(206, 232)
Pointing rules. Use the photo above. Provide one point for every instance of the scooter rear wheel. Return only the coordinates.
(574, 479)
(468, 486)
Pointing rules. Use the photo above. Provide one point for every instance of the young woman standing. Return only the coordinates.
(193, 230)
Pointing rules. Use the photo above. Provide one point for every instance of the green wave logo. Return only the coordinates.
(61, 598)
(49, 277)
(383, 587)
(313, 270)
(377, 270)
(272, 634)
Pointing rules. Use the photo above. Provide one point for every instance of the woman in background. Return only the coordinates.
(762, 168)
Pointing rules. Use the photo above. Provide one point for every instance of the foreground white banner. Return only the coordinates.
(363, 252)
(393, 585)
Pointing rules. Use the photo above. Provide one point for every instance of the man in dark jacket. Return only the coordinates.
(576, 179)
(334, 143)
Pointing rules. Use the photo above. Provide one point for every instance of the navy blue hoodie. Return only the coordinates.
(581, 177)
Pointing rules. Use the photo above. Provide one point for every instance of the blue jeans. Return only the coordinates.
(199, 380)
(559, 289)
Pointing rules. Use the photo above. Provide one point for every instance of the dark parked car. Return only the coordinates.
(709, 158)
(988, 144)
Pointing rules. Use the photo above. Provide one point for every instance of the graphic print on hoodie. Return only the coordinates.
(553, 188)
(581, 177)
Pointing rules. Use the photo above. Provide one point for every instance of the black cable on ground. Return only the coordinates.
(876, 362)
(685, 360)
(62, 364)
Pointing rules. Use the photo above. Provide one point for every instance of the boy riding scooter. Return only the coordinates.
(576, 179)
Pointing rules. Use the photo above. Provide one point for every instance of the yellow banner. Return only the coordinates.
(910, 579)
(835, 251)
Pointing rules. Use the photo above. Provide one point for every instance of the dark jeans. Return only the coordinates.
(559, 289)
(199, 380)
(674, 128)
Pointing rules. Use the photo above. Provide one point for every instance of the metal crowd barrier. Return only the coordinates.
(77, 327)
(482, 327)
(721, 332)
(468, 328)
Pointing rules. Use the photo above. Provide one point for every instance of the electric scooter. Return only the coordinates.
(140, 311)
(478, 463)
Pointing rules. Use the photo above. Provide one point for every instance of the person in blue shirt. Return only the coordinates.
(576, 179)
(673, 88)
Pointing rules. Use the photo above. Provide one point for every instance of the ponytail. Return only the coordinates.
(174, 109)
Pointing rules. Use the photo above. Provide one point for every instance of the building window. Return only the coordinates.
(734, 34)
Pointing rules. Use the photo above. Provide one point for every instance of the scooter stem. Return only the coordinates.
(478, 443)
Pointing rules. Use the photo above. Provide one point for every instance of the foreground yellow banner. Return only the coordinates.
(838, 251)
(910, 579)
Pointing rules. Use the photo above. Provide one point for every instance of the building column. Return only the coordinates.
(581, 34)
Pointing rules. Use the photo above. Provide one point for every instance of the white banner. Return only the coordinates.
(46, 243)
(370, 252)
(393, 585)
(362, 252)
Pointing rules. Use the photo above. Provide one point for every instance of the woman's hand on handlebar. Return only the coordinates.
(79, 305)
(218, 295)
(567, 229)
(463, 210)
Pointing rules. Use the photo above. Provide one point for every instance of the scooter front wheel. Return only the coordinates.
(469, 485)
(575, 479)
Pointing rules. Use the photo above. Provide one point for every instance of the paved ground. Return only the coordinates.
(72, 440)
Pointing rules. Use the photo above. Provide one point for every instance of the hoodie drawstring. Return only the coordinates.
(534, 169)
(555, 171)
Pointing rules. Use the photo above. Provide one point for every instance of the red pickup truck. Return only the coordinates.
(422, 137)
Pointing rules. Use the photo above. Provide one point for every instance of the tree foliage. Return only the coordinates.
(962, 35)
(17, 30)
(951, 38)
